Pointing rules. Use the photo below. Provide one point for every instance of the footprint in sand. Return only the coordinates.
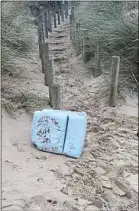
(17, 205)
(11, 164)
(16, 143)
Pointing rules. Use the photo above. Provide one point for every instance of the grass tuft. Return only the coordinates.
(28, 101)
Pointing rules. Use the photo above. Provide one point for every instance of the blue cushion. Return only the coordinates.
(59, 131)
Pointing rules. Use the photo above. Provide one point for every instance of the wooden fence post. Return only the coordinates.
(40, 34)
(46, 24)
(62, 11)
(114, 80)
(66, 9)
(84, 45)
(42, 17)
(72, 23)
(49, 76)
(40, 44)
(54, 16)
(72, 9)
(50, 95)
(77, 38)
(58, 16)
(97, 56)
(83, 41)
(70, 27)
(73, 33)
(71, 17)
(49, 21)
(45, 57)
(56, 96)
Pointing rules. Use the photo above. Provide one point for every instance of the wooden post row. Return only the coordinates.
(114, 80)
(47, 69)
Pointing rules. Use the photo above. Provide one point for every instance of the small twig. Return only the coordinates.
(7, 206)
(134, 77)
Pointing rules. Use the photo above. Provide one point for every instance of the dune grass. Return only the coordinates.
(28, 101)
(18, 42)
(17, 34)
(115, 26)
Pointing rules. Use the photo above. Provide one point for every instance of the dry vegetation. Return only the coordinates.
(115, 26)
(18, 42)
(17, 34)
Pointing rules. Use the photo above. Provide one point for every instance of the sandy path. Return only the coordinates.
(34, 180)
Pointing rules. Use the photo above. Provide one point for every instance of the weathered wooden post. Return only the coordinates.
(46, 24)
(40, 44)
(84, 44)
(54, 16)
(74, 33)
(42, 18)
(62, 11)
(70, 27)
(49, 21)
(97, 56)
(77, 38)
(58, 16)
(114, 80)
(45, 57)
(66, 9)
(72, 10)
(40, 34)
(50, 96)
(49, 77)
(72, 23)
(56, 96)
(83, 41)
